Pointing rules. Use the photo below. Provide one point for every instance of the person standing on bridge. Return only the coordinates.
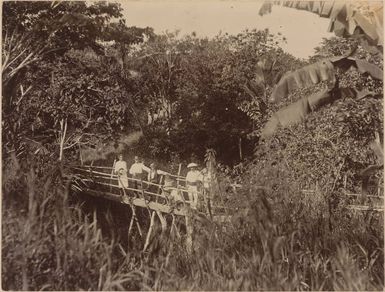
(120, 170)
(192, 179)
(136, 171)
(153, 177)
(155, 173)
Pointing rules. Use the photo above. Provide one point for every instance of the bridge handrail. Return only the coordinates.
(105, 176)
(100, 176)
(116, 178)
(166, 188)
(110, 168)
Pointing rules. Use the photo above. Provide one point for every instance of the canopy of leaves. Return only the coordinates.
(198, 92)
(57, 67)
(328, 149)
(346, 76)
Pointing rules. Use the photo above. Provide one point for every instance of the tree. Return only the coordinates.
(197, 91)
(326, 134)
(57, 79)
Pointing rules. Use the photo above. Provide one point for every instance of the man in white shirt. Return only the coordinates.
(192, 179)
(120, 170)
(136, 170)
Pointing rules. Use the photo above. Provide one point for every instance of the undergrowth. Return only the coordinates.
(280, 241)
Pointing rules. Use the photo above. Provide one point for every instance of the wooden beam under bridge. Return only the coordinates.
(139, 202)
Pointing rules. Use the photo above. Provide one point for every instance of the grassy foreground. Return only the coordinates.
(51, 243)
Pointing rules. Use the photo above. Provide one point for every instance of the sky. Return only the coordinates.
(303, 30)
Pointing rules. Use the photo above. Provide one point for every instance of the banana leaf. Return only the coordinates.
(368, 27)
(321, 71)
(316, 7)
(326, 8)
(344, 17)
(378, 150)
(306, 76)
(297, 111)
(366, 67)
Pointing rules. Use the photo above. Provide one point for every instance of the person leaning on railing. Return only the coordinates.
(154, 178)
(171, 191)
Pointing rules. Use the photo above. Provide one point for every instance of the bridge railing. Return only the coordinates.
(103, 179)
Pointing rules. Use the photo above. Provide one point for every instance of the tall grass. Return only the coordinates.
(49, 243)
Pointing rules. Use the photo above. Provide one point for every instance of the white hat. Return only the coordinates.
(192, 165)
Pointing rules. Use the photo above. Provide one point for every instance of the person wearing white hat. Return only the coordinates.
(192, 179)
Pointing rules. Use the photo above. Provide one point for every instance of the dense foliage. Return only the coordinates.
(90, 83)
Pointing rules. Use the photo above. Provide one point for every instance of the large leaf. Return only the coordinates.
(296, 112)
(372, 70)
(321, 71)
(306, 76)
(346, 18)
(378, 150)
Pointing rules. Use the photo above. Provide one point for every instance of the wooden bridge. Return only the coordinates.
(102, 182)
(164, 200)
(161, 200)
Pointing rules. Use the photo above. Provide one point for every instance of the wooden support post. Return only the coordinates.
(142, 189)
(163, 221)
(137, 221)
(112, 173)
(131, 224)
(133, 213)
(133, 216)
(189, 232)
(152, 222)
(177, 180)
(160, 184)
(174, 227)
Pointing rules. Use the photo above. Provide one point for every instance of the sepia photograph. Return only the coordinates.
(217, 145)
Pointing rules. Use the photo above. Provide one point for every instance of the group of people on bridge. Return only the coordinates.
(197, 183)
